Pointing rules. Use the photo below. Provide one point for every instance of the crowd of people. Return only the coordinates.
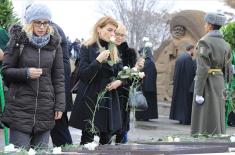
(36, 70)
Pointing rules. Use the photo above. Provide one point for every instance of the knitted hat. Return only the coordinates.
(215, 18)
(37, 11)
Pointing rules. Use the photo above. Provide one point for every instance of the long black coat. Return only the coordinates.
(181, 105)
(149, 88)
(128, 56)
(94, 77)
(67, 68)
(31, 103)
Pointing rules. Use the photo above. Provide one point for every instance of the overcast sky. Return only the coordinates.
(77, 17)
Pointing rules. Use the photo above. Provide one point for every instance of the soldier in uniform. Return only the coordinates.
(213, 69)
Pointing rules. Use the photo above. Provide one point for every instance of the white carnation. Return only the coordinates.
(176, 139)
(148, 44)
(57, 150)
(9, 148)
(112, 39)
(31, 152)
(232, 138)
(145, 39)
(125, 68)
(91, 146)
(170, 139)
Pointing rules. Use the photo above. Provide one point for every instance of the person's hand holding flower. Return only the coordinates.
(103, 56)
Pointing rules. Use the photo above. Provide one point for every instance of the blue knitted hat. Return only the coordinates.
(37, 11)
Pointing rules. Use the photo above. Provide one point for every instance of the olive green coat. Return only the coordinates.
(212, 53)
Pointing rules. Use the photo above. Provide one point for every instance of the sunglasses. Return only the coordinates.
(40, 23)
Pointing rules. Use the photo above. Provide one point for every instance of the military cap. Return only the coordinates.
(215, 18)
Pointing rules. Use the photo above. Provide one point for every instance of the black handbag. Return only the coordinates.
(137, 101)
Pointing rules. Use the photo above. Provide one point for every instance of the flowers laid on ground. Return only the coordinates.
(91, 146)
(10, 148)
(32, 152)
(57, 150)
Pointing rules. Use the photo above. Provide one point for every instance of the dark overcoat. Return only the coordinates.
(94, 77)
(128, 56)
(181, 105)
(67, 68)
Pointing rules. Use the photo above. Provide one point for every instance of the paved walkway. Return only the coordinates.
(145, 132)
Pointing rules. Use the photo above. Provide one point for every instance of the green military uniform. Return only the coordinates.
(213, 66)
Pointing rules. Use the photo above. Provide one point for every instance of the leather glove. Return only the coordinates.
(199, 99)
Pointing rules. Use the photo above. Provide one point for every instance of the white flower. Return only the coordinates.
(125, 68)
(170, 139)
(148, 44)
(176, 139)
(31, 152)
(91, 146)
(96, 139)
(112, 39)
(9, 148)
(145, 39)
(232, 138)
(57, 150)
(141, 75)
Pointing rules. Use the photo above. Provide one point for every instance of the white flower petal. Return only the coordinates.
(145, 39)
(57, 150)
(148, 44)
(31, 152)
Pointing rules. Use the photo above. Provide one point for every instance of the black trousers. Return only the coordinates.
(87, 137)
(60, 134)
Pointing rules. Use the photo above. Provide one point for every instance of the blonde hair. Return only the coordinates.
(28, 28)
(102, 22)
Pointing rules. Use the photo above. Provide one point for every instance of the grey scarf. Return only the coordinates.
(215, 33)
(40, 41)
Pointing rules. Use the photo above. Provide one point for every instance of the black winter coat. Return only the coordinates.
(31, 103)
(128, 56)
(94, 77)
(67, 68)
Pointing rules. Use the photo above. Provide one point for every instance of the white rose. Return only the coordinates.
(112, 39)
(9, 148)
(148, 44)
(145, 39)
(141, 75)
(125, 68)
(170, 139)
(31, 152)
(176, 139)
(232, 138)
(96, 139)
(91, 146)
(57, 150)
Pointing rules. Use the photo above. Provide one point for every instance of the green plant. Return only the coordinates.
(7, 15)
(229, 33)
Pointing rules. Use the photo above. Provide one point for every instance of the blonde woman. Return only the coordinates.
(33, 69)
(95, 76)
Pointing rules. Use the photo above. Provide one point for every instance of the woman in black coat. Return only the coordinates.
(95, 76)
(149, 88)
